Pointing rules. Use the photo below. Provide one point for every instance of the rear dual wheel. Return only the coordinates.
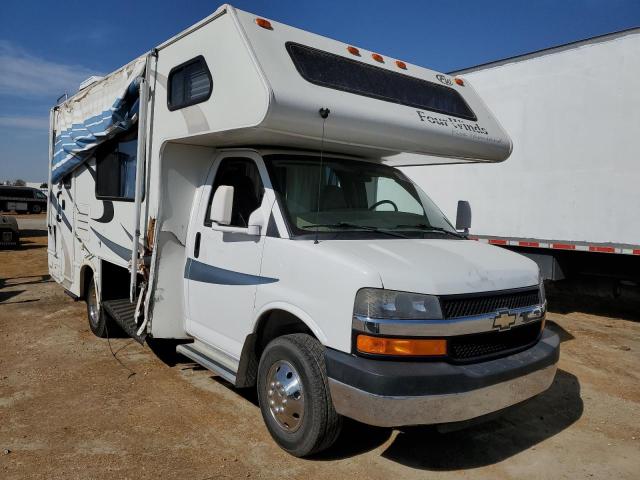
(99, 320)
(294, 395)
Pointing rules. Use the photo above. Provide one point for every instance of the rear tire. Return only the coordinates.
(294, 396)
(99, 320)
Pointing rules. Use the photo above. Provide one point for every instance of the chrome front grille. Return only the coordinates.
(454, 306)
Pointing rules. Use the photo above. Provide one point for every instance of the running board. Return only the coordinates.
(122, 311)
(191, 351)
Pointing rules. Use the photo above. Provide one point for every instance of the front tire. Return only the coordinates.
(36, 208)
(98, 318)
(294, 396)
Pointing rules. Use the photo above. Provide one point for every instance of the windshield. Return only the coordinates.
(353, 196)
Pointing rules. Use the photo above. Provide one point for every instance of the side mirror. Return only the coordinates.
(256, 223)
(463, 216)
(222, 205)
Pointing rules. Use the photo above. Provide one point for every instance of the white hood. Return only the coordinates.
(440, 267)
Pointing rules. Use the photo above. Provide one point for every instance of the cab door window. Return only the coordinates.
(242, 174)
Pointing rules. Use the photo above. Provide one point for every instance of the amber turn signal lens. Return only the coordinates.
(401, 346)
(261, 22)
(401, 64)
(377, 57)
(353, 51)
(459, 81)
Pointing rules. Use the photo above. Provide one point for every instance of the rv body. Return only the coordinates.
(247, 206)
(566, 196)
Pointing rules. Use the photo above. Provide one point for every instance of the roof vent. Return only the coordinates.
(90, 81)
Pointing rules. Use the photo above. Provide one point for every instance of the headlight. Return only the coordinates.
(380, 303)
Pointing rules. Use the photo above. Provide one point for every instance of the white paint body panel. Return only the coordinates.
(220, 314)
(574, 116)
(321, 280)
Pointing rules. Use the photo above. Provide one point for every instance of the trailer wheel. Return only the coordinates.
(294, 396)
(98, 318)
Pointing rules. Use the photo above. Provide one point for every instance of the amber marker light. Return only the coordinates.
(261, 22)
(401, 64)
(353, 51)
(401, 346)
(377, 57)
(459, 81)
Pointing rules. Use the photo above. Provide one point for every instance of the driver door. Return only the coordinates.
(223, 268)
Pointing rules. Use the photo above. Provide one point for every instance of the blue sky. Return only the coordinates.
(47, 48)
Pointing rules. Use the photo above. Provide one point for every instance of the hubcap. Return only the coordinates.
(94, 312)
(285, 395)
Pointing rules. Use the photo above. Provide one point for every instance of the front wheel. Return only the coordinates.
(294, 395)
(35, 208)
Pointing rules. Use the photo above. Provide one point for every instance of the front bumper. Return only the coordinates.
(398, 393)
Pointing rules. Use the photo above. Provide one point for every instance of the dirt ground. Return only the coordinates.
(69, 409)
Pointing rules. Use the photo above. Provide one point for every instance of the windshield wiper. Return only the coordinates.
(347, 225)
(430, 228)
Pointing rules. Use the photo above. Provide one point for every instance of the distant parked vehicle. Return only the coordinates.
(22, 199)
(9, 232)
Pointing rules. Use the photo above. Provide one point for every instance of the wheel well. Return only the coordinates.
(270, 325)
(114, 281)
(276, 323)
(86, 275)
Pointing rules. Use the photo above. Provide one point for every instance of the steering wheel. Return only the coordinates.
(382, 202)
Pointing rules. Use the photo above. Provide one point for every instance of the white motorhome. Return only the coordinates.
(235, 190)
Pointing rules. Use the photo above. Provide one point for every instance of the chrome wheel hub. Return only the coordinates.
(285, 395)
(94, 311)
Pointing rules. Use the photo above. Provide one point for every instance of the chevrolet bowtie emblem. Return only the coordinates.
(504, 321)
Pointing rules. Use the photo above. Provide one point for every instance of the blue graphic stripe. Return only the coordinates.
(123, 252)
(54, 202)
(201, 272)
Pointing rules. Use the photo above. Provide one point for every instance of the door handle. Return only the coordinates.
(196, 246)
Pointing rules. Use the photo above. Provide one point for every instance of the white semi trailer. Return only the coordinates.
(568, 196)
(235, 190)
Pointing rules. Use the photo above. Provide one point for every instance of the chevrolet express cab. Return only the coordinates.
(236, 190)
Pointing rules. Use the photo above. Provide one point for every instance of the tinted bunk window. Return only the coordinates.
(340, 73)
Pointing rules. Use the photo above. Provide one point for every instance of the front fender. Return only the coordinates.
(293, 310)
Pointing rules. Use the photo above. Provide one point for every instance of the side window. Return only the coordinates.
(116, 169)
(189, 83)
(242, 174)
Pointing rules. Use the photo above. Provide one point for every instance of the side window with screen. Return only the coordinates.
(189, 83)
(242, 174)
(116, 169)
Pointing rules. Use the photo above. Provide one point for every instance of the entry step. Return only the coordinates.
(123, 313)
